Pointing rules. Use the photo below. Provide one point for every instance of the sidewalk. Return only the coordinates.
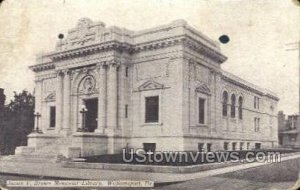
(55, 170)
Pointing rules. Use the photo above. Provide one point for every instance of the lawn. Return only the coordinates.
(186, 160)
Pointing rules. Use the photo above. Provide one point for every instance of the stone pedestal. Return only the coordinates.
(39, 141)
(24, 150)
(72, 152)
(90, 143)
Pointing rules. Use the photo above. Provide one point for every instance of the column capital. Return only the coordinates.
(101, 65)
(59, 73)
(67, 71)
(38, 80)
(114, 63)
(190, 60)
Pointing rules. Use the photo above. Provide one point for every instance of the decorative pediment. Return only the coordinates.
(203, 88)
(50, 97)
(87, 85)
(85, 32)
(151, 85)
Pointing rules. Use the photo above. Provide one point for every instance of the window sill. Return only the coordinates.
(51, 128)
(201, 125)
(151, 124)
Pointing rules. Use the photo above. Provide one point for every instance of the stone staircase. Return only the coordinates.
(52, 152)
(33, 158)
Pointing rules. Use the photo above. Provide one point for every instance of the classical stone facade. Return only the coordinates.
(107, 88)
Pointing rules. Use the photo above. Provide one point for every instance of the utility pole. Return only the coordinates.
(295, 46)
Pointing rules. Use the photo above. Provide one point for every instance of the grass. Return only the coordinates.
(184, 161)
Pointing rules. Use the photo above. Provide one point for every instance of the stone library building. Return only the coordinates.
(107, 88)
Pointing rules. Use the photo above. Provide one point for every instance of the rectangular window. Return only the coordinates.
(225, 146)
(201, 105)
(52, 116)
(248, 146)
(209, 147)
(200, 147)
(256, 102)
(152, 109)
(126, 111)
(256, 124)
(241, 145)
(233, 146)
(126, 72)
(257, 145)
(149, 147)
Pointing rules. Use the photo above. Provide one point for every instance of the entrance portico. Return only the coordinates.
(86, 109)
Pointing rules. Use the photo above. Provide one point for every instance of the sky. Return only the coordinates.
(260, 32)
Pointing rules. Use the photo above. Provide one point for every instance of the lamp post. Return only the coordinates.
(37, 115)
(83, 112)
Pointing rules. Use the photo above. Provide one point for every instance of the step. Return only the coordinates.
(31, 159)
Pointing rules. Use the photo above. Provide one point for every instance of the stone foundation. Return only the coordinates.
(38, 141)
(90, 143)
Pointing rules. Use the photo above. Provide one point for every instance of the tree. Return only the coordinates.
(18, 122)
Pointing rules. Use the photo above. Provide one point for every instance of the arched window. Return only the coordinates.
(224, 103)
(232, 106)
(240, 107)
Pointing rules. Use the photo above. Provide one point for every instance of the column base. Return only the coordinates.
(109, 132)
(65, 132)
(99, 130)
(37, 131)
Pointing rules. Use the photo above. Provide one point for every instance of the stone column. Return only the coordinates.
(38, 102)
(59, 100)
(112, 100)
(102, 98)
(66, 102)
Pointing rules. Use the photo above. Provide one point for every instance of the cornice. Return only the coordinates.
(184, 40)
(91, 49)
(244, 86)
(42, 67)
(272, 96)
(201, 48)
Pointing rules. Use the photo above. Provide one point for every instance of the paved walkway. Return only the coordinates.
(55, 170)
